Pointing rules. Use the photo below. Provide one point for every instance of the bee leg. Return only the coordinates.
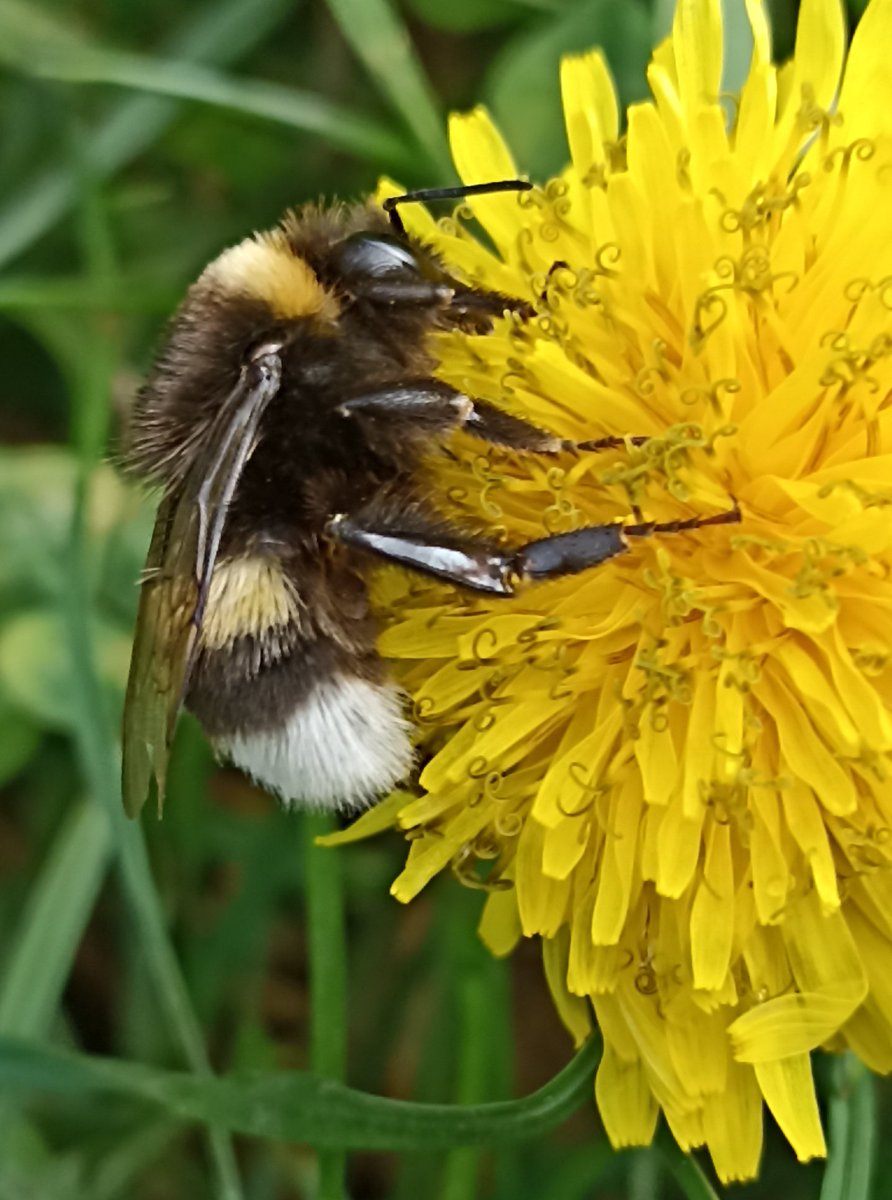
(434, 405)
(486, 569)
(402, 292)
(430, 404)
(425, 195)
(502, 429)
(445, 294)
(473, 566)
(569, 553)
(608, 443)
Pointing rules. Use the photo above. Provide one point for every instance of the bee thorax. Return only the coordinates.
(345, 744)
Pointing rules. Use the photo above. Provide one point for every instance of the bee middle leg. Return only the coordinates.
(434, 404)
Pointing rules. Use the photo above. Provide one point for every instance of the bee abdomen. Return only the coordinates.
(343, 745)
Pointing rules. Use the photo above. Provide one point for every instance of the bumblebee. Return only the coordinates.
(284, 422)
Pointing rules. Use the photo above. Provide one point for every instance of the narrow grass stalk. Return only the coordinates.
(328, 981)
(56, 912)
(683, 1168)
(93, 732)
(473, 977)
(379, 38)
(853, 1132)
(463, 1164)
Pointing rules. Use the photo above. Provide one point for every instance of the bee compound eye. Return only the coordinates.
(376, 256)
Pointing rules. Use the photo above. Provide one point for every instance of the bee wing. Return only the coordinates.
(174, 593)
(162, 647)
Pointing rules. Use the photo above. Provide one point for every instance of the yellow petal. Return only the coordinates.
(590, 109)
(826, 987)
(732, 1126)
(383, 816)
(698, 49)
(574, 1012)
(713, 912)
(499, 927)
(480, 156)
(625, 1101)
(866, 93)
(618, 866)
(789, 1092)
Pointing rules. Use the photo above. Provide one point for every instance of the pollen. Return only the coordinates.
(674, 769)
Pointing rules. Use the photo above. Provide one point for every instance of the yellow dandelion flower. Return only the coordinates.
(674, 767)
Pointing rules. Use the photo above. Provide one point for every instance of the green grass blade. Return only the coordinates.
(50, 928)
(472, 977)
(737, 46)
(853, 1132)
(296, 1106)
(69, 60)
(683, 1168)
(645, 1171)
(379, 38)
(328, 980)
(462, 1165)
(222, 32)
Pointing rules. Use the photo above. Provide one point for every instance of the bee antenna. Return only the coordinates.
(449, 193)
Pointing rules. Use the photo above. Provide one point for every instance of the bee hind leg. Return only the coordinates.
(498, 570)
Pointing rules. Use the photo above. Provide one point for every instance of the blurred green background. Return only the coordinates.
(136, 141)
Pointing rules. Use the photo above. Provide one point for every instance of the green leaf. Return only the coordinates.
(33, 43)
(295, 1106)
(35, 513)
(379, 38)
(523, 85)
(222, 32)
(34, 668)
(129, 294)
(52, 924)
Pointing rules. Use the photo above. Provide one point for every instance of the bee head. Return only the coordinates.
(375, 256)
(257, 293)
